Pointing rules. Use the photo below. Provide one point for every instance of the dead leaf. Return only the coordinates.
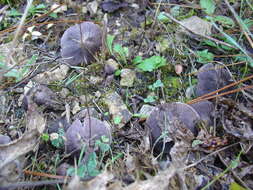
(112, 6)
(98, 183)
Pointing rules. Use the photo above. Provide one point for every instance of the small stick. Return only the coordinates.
(28, 184)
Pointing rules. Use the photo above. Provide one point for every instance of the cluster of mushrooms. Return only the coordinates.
(79, 44)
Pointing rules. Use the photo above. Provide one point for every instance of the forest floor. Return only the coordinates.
(157, 95)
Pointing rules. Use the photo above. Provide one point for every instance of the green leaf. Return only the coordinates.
(14, 13)
(104, 147)
(138, 115)
(234, 163)
(53, 15)
(121, 52)
(236, 186)
(105, 139)
(14, 73)
(248, 22)
(224, 21)
(41, 6)
(137, 59)
(150, 99)
(152, 63)
(196, 143)
(163, 18)
(45, 137)
(92, 165)
(208, 6)
(26, 69)
(157, 84)
(175, 11)
(109, 42)
(117, 72)
(59, 142)
(204, 56)
(210, 43)
(117, 120)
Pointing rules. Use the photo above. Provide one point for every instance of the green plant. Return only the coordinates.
(163, 18)
(204, 56)
(109, 43)
(117, 50)
(57, 139)
(117, 120)
(149, 64)
(208, 6)
(37, 9)
(234, 163)
(155, 85)
(45, 137)
(150, 99)
(92, 165)
(120, 52)
(18, 74)
(224, 21)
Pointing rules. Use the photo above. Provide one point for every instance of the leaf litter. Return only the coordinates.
(100, 136)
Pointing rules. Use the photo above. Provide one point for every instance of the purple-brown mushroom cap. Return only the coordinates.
(80, 43)
(82, 134)
(4, 139)
(42, 95)
(212, 77)
(205, 110)
(165, 115)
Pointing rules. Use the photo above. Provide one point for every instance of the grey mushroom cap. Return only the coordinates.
(212, 77)
(4, 139)
(80, 43)
(80, 134)
(205, 110)
(42, 95)
(165, 115)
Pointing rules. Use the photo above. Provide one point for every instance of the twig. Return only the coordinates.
(31, 184)
(225, 87)
(222, 94)
(245, 30)
(211, 154)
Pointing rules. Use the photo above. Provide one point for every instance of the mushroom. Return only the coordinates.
(212, 77)
(42, 96)
(205, 110)
(4, 139)
(80, 43)
(163, 119)
(86, 133)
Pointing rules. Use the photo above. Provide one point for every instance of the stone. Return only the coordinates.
(111, 66)
(92, 7)
(127, 77)
(146, 110)
(117, 108)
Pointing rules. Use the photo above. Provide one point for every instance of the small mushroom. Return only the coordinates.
(80, 43)
(164, 117)
(55, 125)
(42, 95)
(86, 133)
(212, 77)
(205, 109)
(4, 139)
